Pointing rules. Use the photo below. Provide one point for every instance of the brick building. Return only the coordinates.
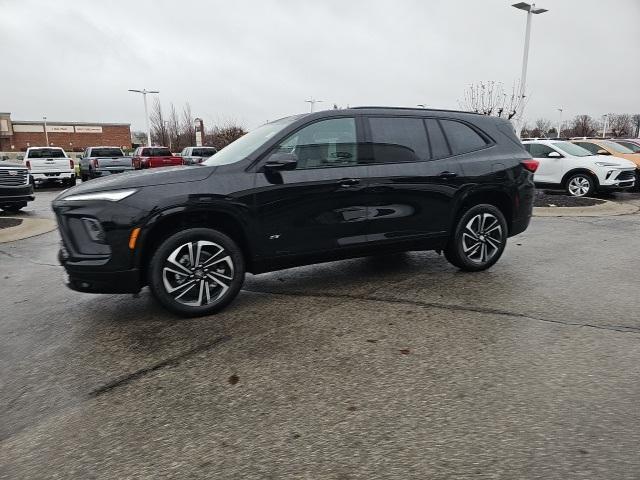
(17, 136)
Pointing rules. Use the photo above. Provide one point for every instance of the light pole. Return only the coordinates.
(46, 134)
(605, 124)
(144, 92)
(560, 122)
(312, 101)
(531, 9)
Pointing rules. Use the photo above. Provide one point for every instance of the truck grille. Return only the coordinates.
(626, 175)
(12, 178)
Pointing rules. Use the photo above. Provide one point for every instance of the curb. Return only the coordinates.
(30, 227)
(607, 209)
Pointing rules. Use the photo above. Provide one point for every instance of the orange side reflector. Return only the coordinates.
(133, 237)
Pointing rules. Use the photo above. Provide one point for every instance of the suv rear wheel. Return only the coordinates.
(196, 272)
(478, 240)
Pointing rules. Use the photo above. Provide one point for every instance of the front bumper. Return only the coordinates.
(19, 194)
(82, 279)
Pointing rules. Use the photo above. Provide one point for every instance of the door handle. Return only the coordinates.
(349, 182)
(448, 175)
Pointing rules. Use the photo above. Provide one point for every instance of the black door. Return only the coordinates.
(321, 204)
(412, 179)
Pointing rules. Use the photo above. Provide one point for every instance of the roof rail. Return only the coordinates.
(361, 107)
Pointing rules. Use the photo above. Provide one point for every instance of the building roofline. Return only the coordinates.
(86, 124)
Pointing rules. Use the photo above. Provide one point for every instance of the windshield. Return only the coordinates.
(572, 149)
(244, 146)
(616, 147)
(106, 152)
(631, 146)
(47, 153)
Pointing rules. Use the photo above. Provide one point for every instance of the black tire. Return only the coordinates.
(479, 239)
(72, 181)
(13, 208)
(196, 279)
(84, 177)
(580, 185)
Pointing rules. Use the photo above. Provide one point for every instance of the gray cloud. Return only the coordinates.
(258, 60)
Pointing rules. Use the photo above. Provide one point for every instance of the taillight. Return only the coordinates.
(28, 164)
(71, 164)
(531, 164)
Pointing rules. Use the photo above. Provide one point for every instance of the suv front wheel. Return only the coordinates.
(196, 272)
(478, 240)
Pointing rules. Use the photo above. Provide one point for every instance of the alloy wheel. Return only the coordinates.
(482, 238)
(198, 273)
(579, 186)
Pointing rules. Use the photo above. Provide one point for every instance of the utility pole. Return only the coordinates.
(46, 134)
(312, 101)
(559, 122)
(144, 92)
(605, 124)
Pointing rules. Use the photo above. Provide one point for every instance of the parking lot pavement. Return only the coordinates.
(384, 367)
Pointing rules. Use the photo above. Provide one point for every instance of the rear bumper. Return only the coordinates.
(20, 194)
(106, 172)
(45, 176)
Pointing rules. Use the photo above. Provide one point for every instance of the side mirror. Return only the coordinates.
(281, 161)
(554, 155)
(603, 152)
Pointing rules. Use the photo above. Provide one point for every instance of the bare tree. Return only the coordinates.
(158, 127)
(636, 125)
(542, 128)
(187, 128)
(222, 135)
(490, 98)
(583, 126)
(621, 125)
(173, 129)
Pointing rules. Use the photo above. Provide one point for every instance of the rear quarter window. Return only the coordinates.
(462, 138)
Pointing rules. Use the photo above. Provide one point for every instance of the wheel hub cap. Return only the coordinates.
(482, 238)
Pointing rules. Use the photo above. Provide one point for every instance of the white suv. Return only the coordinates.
(577, 170)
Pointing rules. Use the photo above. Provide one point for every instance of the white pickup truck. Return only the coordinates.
(46, 164)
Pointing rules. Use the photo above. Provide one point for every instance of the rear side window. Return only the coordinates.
(398, 139)
(439, 147)
(462, 138)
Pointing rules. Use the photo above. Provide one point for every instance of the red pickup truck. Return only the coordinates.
(153, 157)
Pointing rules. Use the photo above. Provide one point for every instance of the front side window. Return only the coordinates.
(462, 138)
(538, 150)
(323, 144)
(399, 139)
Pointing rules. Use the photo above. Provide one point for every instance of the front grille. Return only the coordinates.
(626, 175)
(13, 177)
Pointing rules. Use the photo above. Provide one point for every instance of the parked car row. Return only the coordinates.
(584, 166)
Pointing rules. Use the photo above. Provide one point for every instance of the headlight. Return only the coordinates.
(111, 196)
(607, 164)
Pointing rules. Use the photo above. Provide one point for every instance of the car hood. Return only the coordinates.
(142, 178)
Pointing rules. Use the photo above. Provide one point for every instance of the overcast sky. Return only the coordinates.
(258, 60)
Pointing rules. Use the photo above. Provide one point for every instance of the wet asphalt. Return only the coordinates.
(384, 367)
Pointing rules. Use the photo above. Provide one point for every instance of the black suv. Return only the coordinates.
(300, 190)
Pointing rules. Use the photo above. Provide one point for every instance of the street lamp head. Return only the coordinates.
(527, 7)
